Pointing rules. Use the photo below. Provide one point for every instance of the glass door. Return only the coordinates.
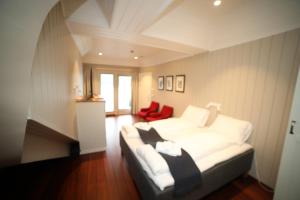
(124, 94)
(107, 92)
(116, 89)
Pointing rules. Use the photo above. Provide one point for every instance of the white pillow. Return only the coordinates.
(235, 130)
(196, 115)
(213, 113)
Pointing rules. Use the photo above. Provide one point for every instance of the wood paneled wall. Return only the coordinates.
(253, 81)
(55, 69)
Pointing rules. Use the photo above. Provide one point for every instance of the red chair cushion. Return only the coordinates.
(166, 112)
(144, 112)
(154, 106)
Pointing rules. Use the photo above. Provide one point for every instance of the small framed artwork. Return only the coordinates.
(179, 83)
(160, 82)
(169, 83)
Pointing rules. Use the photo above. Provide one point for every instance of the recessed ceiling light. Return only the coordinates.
(217, 2)
(100, 53)
(135, 57)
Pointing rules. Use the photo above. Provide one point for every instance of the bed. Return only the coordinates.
(218, 168)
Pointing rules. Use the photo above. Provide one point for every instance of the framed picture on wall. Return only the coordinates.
(179, 83)
(169, 83)
(160, 82)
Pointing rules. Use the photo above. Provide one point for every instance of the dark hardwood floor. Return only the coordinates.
(97, 176)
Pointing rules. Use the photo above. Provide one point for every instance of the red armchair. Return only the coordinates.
(144, 112)
(166, 112)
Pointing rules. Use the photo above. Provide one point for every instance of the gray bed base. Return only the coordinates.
(212, 179)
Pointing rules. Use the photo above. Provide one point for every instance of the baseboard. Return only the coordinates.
(92, 150)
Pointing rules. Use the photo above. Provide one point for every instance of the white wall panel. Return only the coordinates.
(253, 81)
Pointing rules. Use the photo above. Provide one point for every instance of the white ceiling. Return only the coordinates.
(90, 13)
(117, 52)
(234, 22)
(160, 31)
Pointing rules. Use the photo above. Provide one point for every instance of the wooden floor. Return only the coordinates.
(98, 176)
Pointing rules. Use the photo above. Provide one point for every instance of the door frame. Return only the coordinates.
(124, 111)
(98, 86)
(116, 72)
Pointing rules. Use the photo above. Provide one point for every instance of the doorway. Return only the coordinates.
(124, 94)
(116, 89)
(107, 91)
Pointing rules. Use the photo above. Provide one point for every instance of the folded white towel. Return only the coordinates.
(131, 131)
(154, 161)
(143, 125)
(169, 148)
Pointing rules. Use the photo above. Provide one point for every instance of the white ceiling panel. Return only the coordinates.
(84, 43)
(203, 25)
(90, 13)
(107, 7)
(165, 30)
(124, 52)
(131, 16)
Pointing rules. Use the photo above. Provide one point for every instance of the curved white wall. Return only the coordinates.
(21, 22)
(55, 66)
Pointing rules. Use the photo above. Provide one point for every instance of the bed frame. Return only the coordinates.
(212, 179)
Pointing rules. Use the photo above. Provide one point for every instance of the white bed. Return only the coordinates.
(164, 180)
(208, 146)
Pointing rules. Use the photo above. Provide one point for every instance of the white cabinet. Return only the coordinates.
(91, 126)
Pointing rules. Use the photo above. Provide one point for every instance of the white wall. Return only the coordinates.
(253, 81)
(55, 72)
(56, 78)
(78, 78)
(91, 126)
(21, 22)
(145, 89)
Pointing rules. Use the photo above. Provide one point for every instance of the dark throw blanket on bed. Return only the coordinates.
(186, 174)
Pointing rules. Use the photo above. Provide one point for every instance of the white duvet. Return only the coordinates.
(205, 146)
(172, 126)
(167, 128)
(201, 144)
(198, 145)
(164, 180)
